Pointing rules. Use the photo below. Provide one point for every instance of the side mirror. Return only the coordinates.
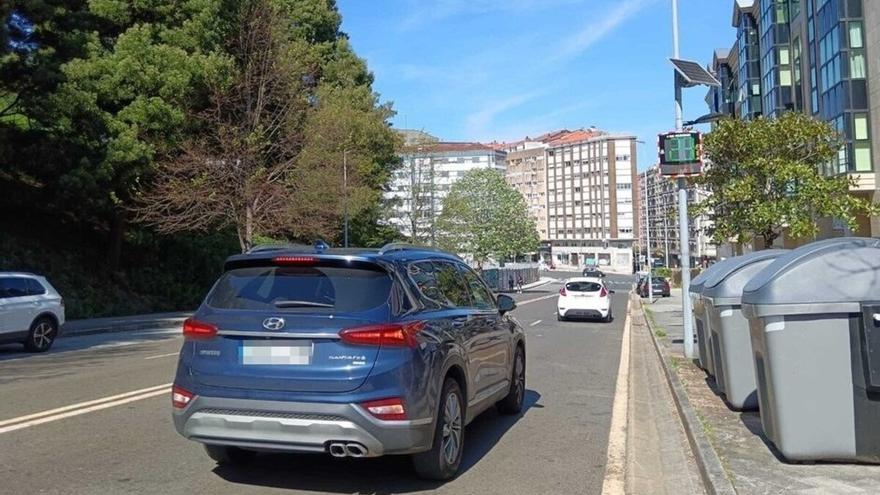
(611, 291)
(505, 303)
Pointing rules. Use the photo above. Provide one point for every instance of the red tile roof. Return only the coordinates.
(575, 137)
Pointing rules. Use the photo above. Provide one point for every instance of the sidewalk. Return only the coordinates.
(539, 283)
(659, 459)
(91, 326)
(748, 460)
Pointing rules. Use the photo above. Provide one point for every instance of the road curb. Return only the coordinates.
(119, 328)
(712, 472)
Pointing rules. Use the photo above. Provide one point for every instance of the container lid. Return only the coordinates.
(696, 286)
(725, 285)
(830, 276)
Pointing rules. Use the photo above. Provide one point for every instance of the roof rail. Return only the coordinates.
(403, 246)
(277, 247)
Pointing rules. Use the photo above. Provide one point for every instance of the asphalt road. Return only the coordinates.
(128, 444)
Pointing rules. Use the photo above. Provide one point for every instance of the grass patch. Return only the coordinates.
(675, 362)
(660, 333)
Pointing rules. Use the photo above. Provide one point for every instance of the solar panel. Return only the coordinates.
(694, 73)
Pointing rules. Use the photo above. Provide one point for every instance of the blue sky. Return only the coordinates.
(480, 70)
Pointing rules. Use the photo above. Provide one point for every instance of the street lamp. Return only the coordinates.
(687, 74)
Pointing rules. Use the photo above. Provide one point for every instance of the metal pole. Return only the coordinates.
(666, 233)
(648, 235)
(345, 194)
(682, 210)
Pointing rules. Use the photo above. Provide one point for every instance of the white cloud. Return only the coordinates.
(422, 11)
(477, 122)
(591, 33)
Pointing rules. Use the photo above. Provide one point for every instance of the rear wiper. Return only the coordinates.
(301, 304)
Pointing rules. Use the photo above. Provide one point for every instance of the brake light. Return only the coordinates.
(603, 292)
(294, 260)
(194, 329)
(180, 397)
(387, 409)
(562, 292)
(385, 334)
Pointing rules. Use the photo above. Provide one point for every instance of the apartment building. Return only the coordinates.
(591, 204)
(527, 173)
(820, 57)
(661, 218)
(428, 170)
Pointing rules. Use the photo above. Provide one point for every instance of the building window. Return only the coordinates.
(863, 157)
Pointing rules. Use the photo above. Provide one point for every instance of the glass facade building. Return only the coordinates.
(808, 56)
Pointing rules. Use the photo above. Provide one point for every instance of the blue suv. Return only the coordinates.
(348, 352)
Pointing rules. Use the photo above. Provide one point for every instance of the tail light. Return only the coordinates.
(194, 329)
(562, 292)
(295, 260)
(387, 409)
(180, 397)
(603, 292)
(385, 334)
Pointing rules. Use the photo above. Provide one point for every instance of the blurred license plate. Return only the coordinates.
(272, 352)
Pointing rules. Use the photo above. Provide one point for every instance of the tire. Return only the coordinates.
(41, 335)
(230, 456)
(443, 460)
(609, 318)
(559, 317)
(513, 402)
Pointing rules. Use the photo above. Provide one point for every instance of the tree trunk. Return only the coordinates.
(117, 235)
(769, 237)
(249, 227)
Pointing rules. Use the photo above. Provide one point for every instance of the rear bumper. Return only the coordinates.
(584, 313)
(306, 427)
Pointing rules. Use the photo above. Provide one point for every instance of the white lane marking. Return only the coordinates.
(61, 410)
(534, 323)
(163, 355)
(615, 465)
(530, 301)
(77, 412)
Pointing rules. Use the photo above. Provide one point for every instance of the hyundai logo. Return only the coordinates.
(273, 323)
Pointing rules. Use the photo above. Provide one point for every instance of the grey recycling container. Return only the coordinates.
(698, 317)
(730, 341)
(814, 321)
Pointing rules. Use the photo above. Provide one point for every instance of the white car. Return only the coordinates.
(31, 311)
(584, 297)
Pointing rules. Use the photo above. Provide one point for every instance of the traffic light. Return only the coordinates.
(681, 153)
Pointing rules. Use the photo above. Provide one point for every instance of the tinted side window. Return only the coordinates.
(35, 288)
(452, 284)
(439, 282)
(13, 287)
(482, 298)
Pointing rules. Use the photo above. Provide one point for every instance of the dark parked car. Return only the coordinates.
(593, 273)
(352, 353)
(659, 286)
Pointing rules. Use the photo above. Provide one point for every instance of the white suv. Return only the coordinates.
(31, 311)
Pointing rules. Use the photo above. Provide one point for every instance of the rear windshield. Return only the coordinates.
(658, 280)
(302, 288)
(583, 287)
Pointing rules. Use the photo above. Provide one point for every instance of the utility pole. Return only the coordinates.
(345, 195)
(648, 235)
(682, 207)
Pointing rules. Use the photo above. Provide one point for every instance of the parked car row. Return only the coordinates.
(659, 287)
(31, 311)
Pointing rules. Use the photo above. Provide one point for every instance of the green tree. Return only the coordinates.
(765, 179)
(485, 217)
(268, 155)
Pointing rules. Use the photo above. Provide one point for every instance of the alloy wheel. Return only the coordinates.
(452, 425)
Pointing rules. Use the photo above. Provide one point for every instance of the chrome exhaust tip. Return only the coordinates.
(337, 449)
(356, 450)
